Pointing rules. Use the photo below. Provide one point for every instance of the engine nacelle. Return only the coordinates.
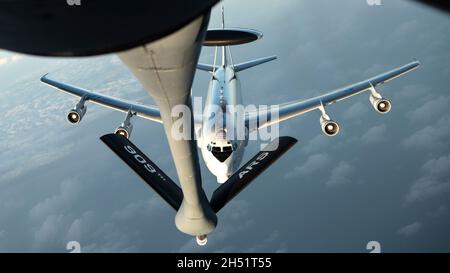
(381, 105)
(76, 115)
(329, 127)
(124, 130)
(127, 127)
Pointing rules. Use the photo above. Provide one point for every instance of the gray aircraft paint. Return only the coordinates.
(166, 69)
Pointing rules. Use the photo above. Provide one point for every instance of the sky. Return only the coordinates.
(385, 178)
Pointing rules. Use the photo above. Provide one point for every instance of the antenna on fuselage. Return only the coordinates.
(223, 17)
(224, 48)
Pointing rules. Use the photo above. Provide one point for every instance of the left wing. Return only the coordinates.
(261, 119)
(147, 112)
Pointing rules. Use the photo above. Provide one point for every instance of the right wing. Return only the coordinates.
(147, 112)
(263, 118)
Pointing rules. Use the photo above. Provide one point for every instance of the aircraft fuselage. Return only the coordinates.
(222, 151)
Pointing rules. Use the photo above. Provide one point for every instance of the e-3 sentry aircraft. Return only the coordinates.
(196, 214)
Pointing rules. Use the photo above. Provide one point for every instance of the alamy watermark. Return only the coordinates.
(369, 2)
(374, 247)
(374, 2)
(73, 2)
(226, 122)
(73, 247)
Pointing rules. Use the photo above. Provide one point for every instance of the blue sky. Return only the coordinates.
(384, 178)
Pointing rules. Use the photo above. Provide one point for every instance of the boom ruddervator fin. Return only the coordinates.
(252, 169)
(145, 168)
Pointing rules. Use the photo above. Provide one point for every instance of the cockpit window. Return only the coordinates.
(222, 154)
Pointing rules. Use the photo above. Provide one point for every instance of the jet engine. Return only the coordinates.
(329, 127)
(381, 105)
(76, 115)
(127, 127)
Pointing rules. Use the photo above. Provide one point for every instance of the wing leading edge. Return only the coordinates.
(299, 107)
(147, 112)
